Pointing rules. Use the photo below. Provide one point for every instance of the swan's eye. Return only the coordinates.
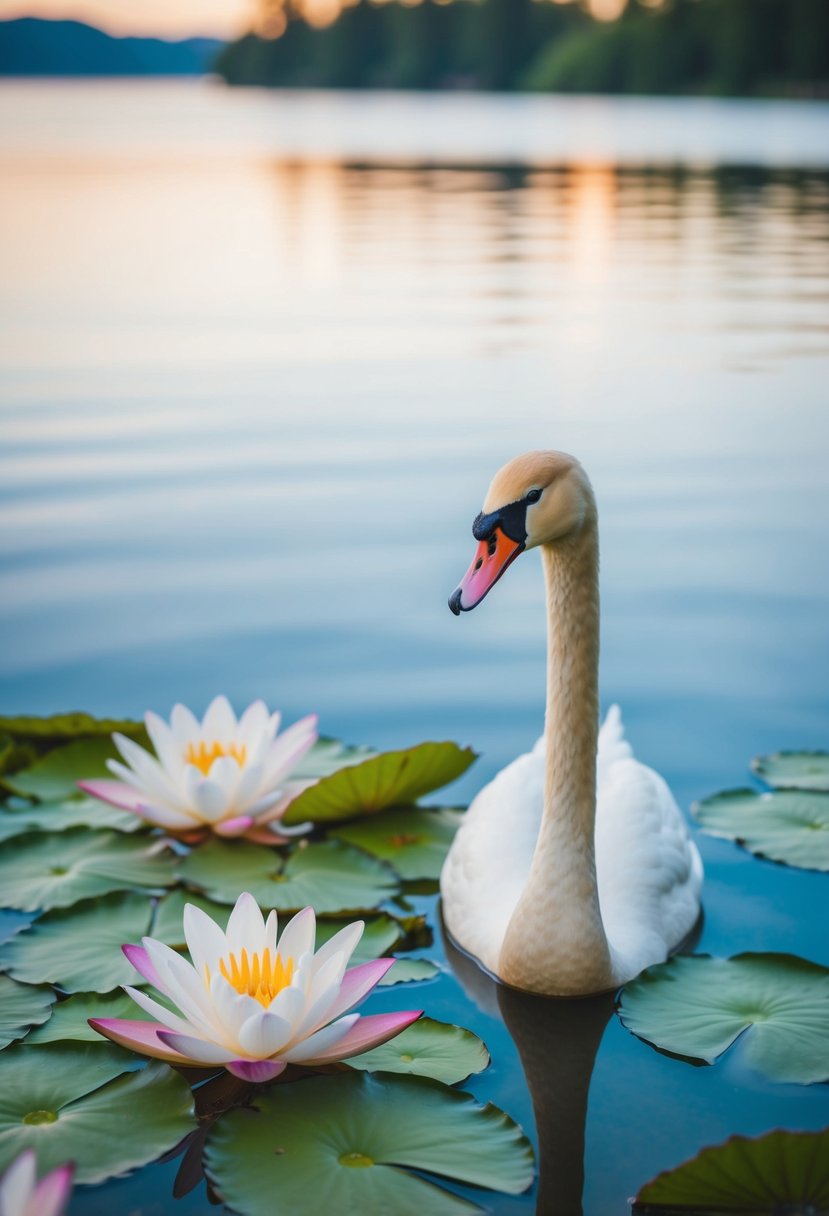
(533, 496)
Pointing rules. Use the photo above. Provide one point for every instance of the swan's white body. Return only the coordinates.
(649, 872)
(573, 869)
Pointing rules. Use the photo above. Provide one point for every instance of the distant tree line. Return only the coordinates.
(726, 47)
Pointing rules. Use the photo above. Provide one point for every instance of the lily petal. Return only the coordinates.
(137, 1036)
(116, 793)
(369, 1031)
(52, 1192)
(205, 940)
(140, 960)
(200, 1051)
(256, 1070)
(358, 983)
(322, 1042)
(298, 935)
(245, 926)
(234, 827)
(345, 941)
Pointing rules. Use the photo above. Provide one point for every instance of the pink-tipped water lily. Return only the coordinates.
(22, 1195)
(222, 775)
(253, 1004)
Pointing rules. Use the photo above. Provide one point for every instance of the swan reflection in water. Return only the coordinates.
(557, 1040)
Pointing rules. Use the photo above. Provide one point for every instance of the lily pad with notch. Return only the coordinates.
(70, 1018)
(56, 775)
(21, 1007)
(698, 1007)
(330, 876)
(794, 770)
(347, 1143)
(94, 1105)
(428, 1049)
(415, 840)
(55, 870)
(780, 1172)
(390, 779)
(79, 949)
(788, 826)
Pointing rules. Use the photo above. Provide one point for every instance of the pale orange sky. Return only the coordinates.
(180, 18)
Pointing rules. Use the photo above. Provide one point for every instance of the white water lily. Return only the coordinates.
(251, 1004)
(227, 776)
(22, 1195)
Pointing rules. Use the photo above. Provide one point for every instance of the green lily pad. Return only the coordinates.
(390, 779)
(56, 775)
(56, 870)
(415, 840)
(63, 814)
(21, 1006)
(79, 948)
(789, 826)
(345, 1143)
(69, 1020)
(794, 770)
(699, 1006)
(327, 756)
(58, 728)
(331, 876)
(410, 970)
(428, 1049)
(781, 1171)
(68, 1102)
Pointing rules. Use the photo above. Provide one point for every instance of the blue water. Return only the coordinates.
(252, 401)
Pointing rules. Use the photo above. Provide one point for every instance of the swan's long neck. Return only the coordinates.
(555, 941)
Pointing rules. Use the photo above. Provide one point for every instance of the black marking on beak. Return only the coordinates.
(511, 519)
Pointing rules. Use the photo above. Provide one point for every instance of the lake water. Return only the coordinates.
(261, 355)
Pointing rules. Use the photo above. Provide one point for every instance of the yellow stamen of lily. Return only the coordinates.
(202, 755)
(256, 975)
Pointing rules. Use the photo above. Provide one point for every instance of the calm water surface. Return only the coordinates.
(261, 356)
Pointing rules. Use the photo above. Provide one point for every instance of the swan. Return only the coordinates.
(573, 869)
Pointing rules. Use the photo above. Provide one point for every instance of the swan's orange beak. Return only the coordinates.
(492, 557)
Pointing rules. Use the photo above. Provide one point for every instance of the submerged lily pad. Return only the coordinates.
(415, 840)
(345, 1144)
(21, 1006)
(55, 871)
(56, 775)
(699, 1006)
(781, 1171)
(391, 779)
(69, 1020)
(331, 876)
(794, 770)
(63, 814)
(428, 1049)
(789, 826)
(69, 1103)
(79, 948)
(328, 756)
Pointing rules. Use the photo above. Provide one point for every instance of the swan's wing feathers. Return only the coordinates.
(649, 869)
(612, 746)
(487, 865)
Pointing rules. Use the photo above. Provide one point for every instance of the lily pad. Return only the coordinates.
(56, 775)
(794, 770)
(390, 779)
(346, 1143)
(69, 1104)
(56, 870)
(781, 1171)
(21, 1006)
(79, 948)
(410, 970)
(381, 934)
(328, 756)
(331, 876)
(69, 1020)
(63, 814)
(789, 826)
(699, 1006)
(415, 840)
(58, 728)
(428, 1049)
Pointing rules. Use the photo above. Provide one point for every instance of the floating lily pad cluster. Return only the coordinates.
(93, 877)
(772, 1009)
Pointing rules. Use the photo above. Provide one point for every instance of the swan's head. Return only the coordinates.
(539, 498)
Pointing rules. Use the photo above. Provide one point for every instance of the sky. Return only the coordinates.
(180, 18)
